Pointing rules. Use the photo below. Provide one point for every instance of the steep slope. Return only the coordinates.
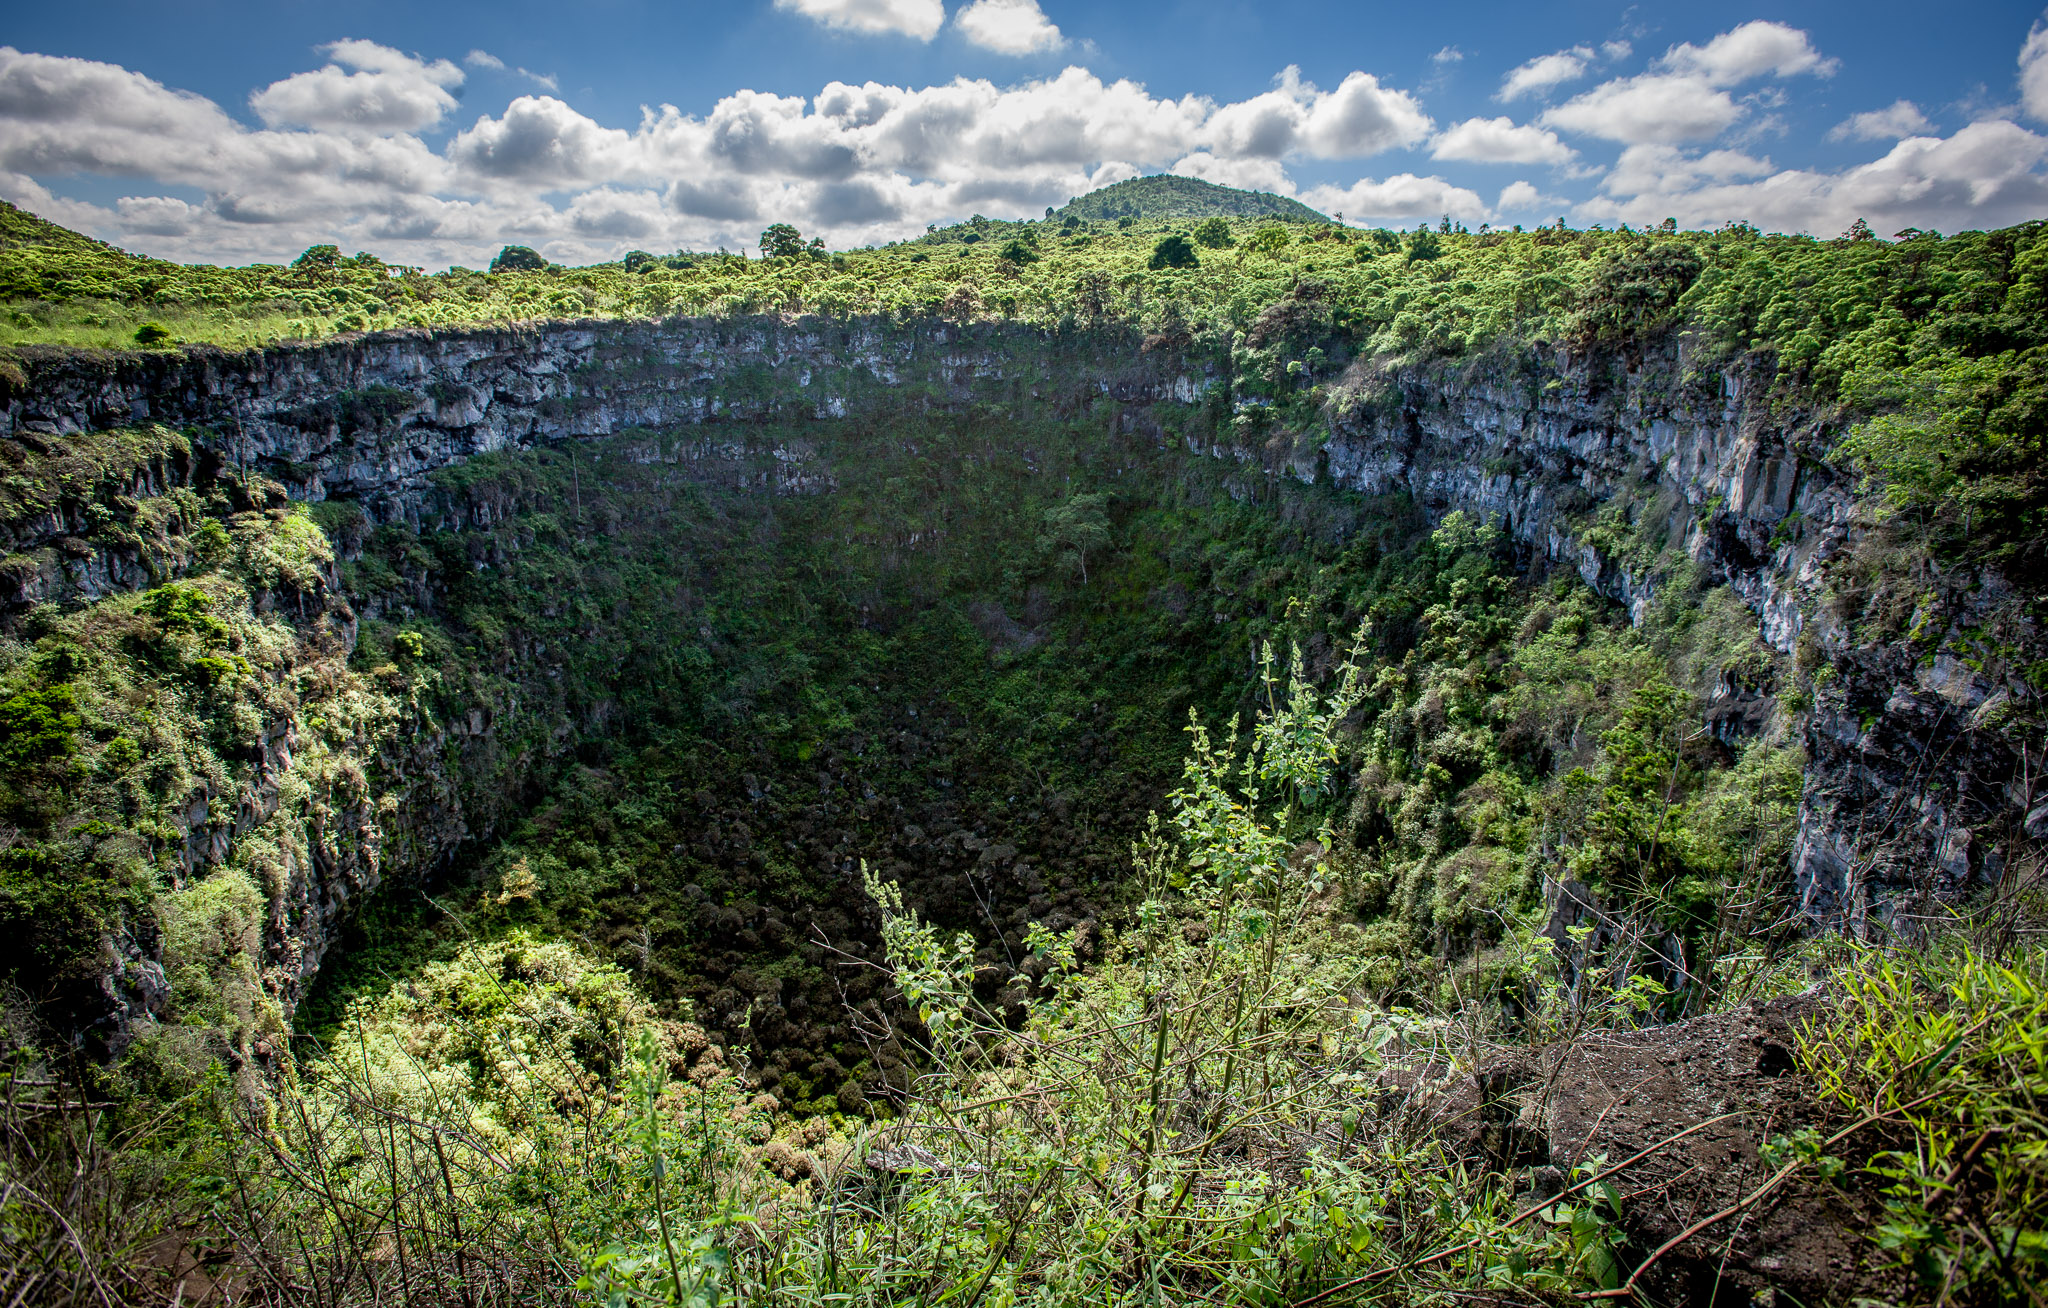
(550, 747)
(463, 440)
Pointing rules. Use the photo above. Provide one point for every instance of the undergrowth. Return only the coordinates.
(1944, 1048)
(1199, 1116)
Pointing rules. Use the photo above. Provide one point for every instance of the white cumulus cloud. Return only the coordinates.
(1012, 27)
(390, 91)
(542, 142)
(1649, 107)
(1500, 140)
(1748, 52)
(1245, 174)
(1398, 198)
(915, 18)
(1685, 96)
(2034, 72)
(1360, 117)
(1647, 169)
(1900, 118)
(66, 115)
(855, 163)
(159, 215)
(1989, 174)
(1525, 198)
(338, 155)
(1546, 71)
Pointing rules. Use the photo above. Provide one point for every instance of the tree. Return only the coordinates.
(1271, 239)
(782, 241)
(1424, 245)
(518, 258)
(1019, 251)
(318, 256)
(1174, 251)
(1076, 529)
(1214, 232)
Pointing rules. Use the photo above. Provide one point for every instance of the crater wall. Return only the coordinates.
(1915, 783)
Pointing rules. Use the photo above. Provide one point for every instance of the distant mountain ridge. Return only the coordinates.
(1167, 196)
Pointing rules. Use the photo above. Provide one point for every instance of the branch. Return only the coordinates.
(1628, 1288)
(1516, 1220)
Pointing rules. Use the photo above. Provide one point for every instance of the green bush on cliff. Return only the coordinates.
(1187, 1107)
(135, 728)
(519, 1115)
(1936, 1068)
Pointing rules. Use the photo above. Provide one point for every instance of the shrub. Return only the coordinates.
(1174, 251)
(518, 258)
(1938, 1053)
(1270, 239)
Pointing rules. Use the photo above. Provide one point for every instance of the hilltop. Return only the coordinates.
(1166, 197)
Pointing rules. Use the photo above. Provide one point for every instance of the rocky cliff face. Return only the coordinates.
(369, 422)
(369, 418)
(1917, 779)
(1918, 782)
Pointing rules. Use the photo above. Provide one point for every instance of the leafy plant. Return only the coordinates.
(1941, 1049)
(1173, 251)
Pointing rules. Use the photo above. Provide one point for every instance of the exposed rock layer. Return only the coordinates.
(1910, 787)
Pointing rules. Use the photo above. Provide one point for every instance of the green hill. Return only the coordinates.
(1169, 197)
(20, 228)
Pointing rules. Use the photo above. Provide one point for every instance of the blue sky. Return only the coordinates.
(436, 133)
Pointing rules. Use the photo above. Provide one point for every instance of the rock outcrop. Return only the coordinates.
(1917, 780)
(1698, 1104)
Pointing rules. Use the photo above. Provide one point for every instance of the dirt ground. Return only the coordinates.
(1538, 1114)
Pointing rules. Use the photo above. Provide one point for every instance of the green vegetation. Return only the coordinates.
(781, 241)
(1940, 1053)
(822, 950)
(1936, 344)
(1188, 1109)
(1173, 251)
(513, 258)
(1166, 198)
(130, 721)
